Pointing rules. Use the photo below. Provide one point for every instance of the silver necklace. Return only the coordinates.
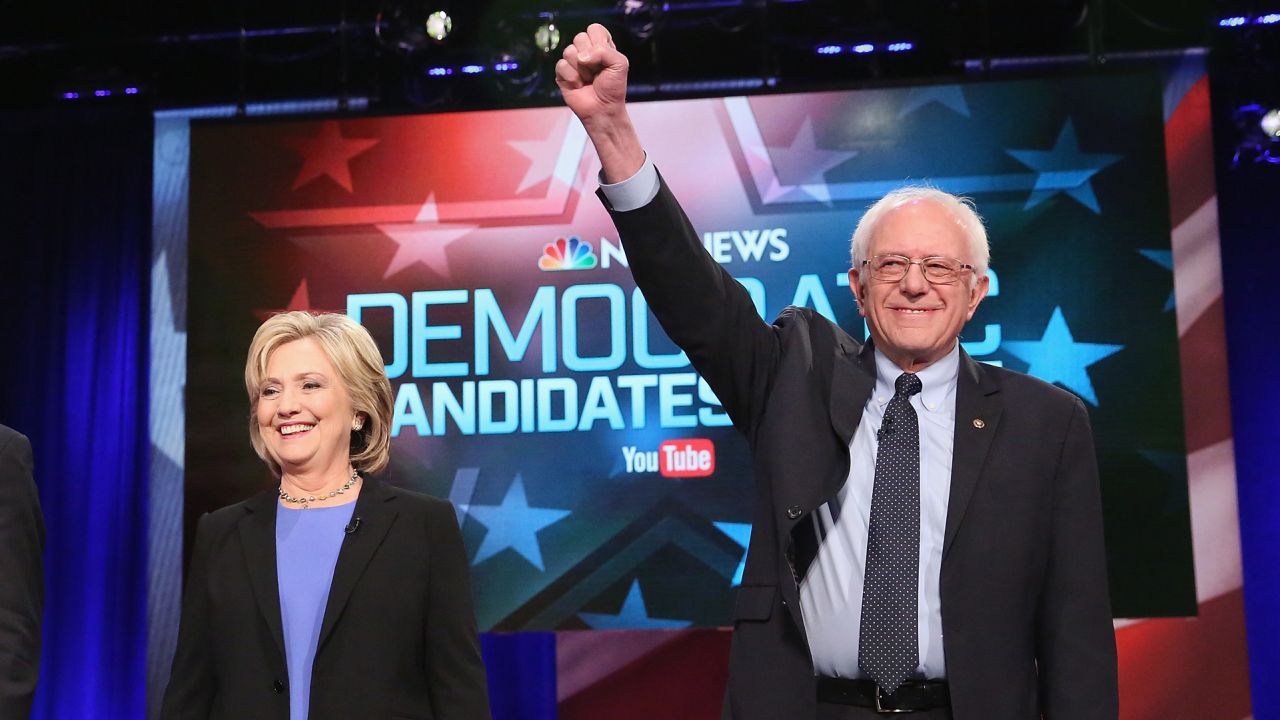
(355, 478)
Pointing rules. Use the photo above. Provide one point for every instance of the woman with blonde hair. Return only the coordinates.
(331, 595)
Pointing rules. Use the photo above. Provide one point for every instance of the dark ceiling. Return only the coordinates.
(193, 53)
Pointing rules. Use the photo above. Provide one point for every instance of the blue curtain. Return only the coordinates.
(522, 674)
(1250, 261)
(75, 190)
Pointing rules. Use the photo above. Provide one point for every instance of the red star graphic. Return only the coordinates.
(301, 300)
(327, 153)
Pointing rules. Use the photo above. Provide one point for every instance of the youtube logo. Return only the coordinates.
(690, 457)
(680, 458)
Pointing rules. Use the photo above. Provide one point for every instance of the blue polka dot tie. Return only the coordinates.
(888, 647)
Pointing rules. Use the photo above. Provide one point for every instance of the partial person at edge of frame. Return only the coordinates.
(21, 576)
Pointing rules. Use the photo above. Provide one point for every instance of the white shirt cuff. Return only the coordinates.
(636, 191)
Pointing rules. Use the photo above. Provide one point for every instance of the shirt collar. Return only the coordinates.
(938, 381)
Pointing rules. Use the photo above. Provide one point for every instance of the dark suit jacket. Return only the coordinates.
(398, 638)
(1026, 618)
(21, 576)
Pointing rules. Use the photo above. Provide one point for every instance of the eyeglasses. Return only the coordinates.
(936, 269)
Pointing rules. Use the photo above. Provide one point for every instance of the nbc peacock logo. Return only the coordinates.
(570, 253)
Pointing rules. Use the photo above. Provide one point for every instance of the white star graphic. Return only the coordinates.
(423, 241)
(543, 155)
(428, 213)
(168, 369)
(803, 165)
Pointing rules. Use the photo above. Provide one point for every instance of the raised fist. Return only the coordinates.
(592, 75)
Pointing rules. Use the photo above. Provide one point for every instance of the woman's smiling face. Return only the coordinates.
(304, 412)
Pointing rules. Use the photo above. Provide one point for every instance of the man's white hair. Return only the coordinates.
(961, 208)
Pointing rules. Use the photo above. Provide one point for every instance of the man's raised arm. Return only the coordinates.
(704, 310)
(592, 76)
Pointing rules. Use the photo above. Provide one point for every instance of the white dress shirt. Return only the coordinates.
(831, 591)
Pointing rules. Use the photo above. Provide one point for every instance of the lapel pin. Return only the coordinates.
(977, 422)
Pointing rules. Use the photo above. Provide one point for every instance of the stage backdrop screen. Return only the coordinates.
(597, 480)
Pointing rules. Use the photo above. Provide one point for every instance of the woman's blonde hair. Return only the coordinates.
(354, 355)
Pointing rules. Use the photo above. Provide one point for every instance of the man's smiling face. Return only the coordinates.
(913, 321)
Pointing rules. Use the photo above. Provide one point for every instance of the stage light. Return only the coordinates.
(439, 25)
(131, 91)
(102, 93)
(411, 26)
(642, 18)
(900, 47)
(439, 71)
(70, 96)
(521, 49)
(830, 49)
(1236, 21)
(864, 48)
(547, 37)
(472, 69)
(1259, 134)
(1270, 123)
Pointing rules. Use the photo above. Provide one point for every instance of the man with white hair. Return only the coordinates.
(927, 536)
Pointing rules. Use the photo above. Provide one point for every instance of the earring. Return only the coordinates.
(357, 425)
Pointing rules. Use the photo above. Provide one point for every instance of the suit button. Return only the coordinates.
(794, 512)
(277, 687)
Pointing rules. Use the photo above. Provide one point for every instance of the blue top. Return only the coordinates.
(307, 545)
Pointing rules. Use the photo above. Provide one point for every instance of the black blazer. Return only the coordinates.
(398, 638)
(1025, 611)
(21, 576)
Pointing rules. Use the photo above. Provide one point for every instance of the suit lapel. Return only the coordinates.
(375, 511)
(853, 378)
(258, 540)
(978, 410)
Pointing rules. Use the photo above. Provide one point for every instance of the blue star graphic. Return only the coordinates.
(1163, 258)
(513, 524)
(1057, 358)
(804, 164)
(632, 615)
(951, 96)
(1064, 169)
(741, 534)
